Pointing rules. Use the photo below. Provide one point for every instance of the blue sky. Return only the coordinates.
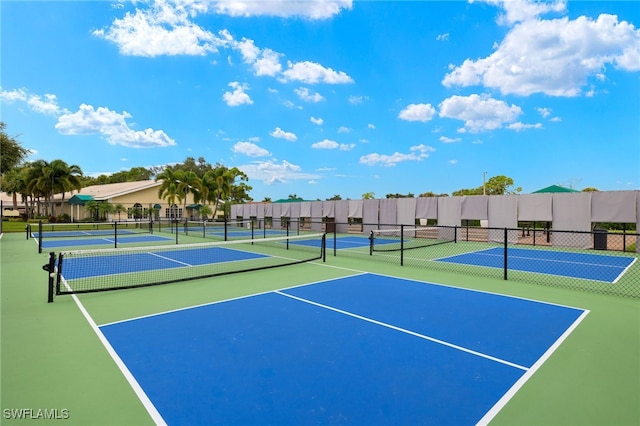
(323, 98)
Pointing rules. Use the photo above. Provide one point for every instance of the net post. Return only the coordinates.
(401, 245)
(115, 234)
(371, 243)
(59, 273)
(505, 252)
(225, 228)
(335, 240)
(455, 234)
(50, 269)
(324, 247)
(40, 236)
(28, 229)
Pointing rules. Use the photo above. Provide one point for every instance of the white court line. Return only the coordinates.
(140, 393)
(403, 330)
(518, 384)
(170, 259)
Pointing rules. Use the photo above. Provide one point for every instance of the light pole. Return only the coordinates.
(484, 183)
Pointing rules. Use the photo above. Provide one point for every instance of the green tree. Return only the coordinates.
(336, 197)
(590, 189)
(13, 183)
(169, 187)
(496, 185)
(409, 195)
(368, 196)
(12, 154)
(119, 209)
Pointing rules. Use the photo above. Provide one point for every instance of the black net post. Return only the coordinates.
(506, 233)
(40, 236)
(324, 247)
(401, 245)
(371, 243)
(50, 268)
(225, 228)
(28, 229)
(115, 234)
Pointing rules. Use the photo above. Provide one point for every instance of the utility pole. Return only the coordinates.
(484, 183)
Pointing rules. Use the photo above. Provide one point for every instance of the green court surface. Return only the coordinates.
(53, 364)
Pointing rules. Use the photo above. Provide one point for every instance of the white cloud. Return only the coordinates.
(371, 126)
(479, 112)
(238, 96)
(445, 139)
(47, 104)
(357, 100)
(344, 129)
(163, 29)
(544, 112)
(250, 149)
(271, 172)
(452, 162)
(329, 144)
(112, 126)
(524, 10)
(13, 95)
(417, 112)
(281, 134)
(317, 121)
(418, 153)
(306, 95)
(443, 37)
(555, 57)
(312, 73)
(518, 126)
(309, 9)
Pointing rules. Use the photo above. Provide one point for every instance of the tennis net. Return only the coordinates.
(82, 229)
(84, 271)
(405, 237)
(103, 230)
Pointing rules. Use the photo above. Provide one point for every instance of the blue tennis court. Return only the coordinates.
(341, 243)
(93, 266)
(586, 266)
(365, 349)
(86, 241)
(82, 233)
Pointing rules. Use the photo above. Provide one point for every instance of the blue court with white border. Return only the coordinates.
(588, 266)
(364, 349)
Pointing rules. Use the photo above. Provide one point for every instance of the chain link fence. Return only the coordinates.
(599, 261)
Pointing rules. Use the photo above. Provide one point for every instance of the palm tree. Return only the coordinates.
(219, 182)
(119, 208)
(64, 178)
(169, 188)
(188, 183)
(44, 179)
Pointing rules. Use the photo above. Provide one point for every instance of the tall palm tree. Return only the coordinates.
(169, 188)
(64, 178)
(37, 184)
(188, 183)
(45, 179)
(219, 181)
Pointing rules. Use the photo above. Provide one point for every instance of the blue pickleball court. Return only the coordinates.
(588, 266)
(365, 349)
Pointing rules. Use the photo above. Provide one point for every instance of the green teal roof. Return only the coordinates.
(554, 189)
(80, 199)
